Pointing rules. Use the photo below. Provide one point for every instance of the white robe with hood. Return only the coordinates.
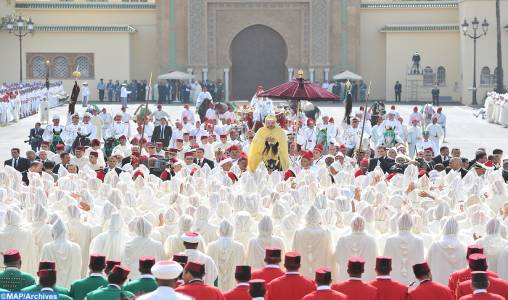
(258, 245)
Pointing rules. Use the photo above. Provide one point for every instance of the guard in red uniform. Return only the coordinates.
(241, 291)
(480, 284)
(257, 289)
(478, 263)
(292, 285)
(354, 288)
(427, 289)
(465, 274)
(323, 291)
(194, 286)
(387, 289)
(272, 269)
(182, 259)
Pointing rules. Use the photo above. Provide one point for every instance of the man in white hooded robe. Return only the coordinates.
(191, 241)
(265, 239)
(79, 233)
(492, 243)
(66, 255)
(112, 241)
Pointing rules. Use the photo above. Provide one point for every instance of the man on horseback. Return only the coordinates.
(52, 133)
(117, 130)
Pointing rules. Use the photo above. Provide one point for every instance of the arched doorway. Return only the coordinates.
(258, 56)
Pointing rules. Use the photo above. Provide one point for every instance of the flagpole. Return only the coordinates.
(146, 108)
(364, 118)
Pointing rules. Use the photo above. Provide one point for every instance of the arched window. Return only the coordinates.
(39, 67)
(428, 76)
(84, 66)
(60, 67)
(441, 76)
(485, 76)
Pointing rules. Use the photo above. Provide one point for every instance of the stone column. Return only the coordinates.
(226, 84)
(327, 73)
(189, 70)
(290, 73)
(311, 75)
(205, 74)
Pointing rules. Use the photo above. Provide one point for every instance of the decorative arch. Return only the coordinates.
(485, 76)
(39, 68)
(428, 76)
(60, 67)
(441, 76)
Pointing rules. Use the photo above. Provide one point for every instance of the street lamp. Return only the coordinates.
(20, 27)
(475, 24)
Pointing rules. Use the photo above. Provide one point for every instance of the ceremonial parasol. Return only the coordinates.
(299, 89)
(347, 75)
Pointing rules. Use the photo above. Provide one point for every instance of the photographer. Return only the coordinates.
(35, 137)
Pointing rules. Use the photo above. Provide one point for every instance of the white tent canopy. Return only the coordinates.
(176, 75)
(347, 75)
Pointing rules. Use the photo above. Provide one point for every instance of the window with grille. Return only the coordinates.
(441, 76)
(428, 76)
(83, 64)
(39, 67)
(485, 76)
(60, 67)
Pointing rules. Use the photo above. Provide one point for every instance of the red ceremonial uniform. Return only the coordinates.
(496, 286)
(199, 290)
(356, 289)
(462, 275)
(292, 286)
(240, 292)
(325, 294)
(267, 274)
(430, 290)
(482, 296)
(388, 289)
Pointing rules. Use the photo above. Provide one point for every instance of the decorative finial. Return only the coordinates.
(76, 74)
(299, 74)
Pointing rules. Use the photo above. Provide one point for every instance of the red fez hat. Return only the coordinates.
(138, 172)
(422, 172)
(179, 140)
(122, 137)
(97, 261)
(11, 256)
(60, 147)
(186, 133)
(204, 137)
(288, 174)
(292, 258)
(47, 274)
(146, 262)
(342, 146)
(135, 141)
(189, 154)
(472, 249)
(110, 263)
(243, 156)
(421, 269)
(356, 264)
(159, 144)
(318, 147)
(310, 121)
(94, 153)
(323, 274)
(223, 136)
(364, 161)
(194, 146)
(95, 142)
(234, 148)
(180, 258)
(195, 266)
(243, 270)
(332, 120)
(122, 271)
(173, 150)
(47, 265)
(273, 253)
(45, 143)
(428, 149)
(307, 155)
(489, 164)
(257, 285)
(232, 176)
(383, 263)
(80, 148)
(477, 262)
(142, 141)
(150, 145)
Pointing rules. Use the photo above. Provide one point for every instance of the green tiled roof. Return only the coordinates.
(84, 28)
(85, 5)
(420, 27)
(410, 4)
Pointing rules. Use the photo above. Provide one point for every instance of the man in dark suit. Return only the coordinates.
(65, 159)
(35, 137)
(162, 133)
(112, 165)
(427, 159)
(443, 157)
(19, 163)
(455, 163)
(201, 160)
(505, 170)
(379, 159)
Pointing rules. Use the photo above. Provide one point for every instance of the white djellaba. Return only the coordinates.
(65, 254)
(202, 225)
(112, 241)
(15, 236)
(140, 245)
(493, 244)
(265, 239)
(174, 243)
(405, 249)
(356, 244)
(447, 255)
(81, 234)
(227, 254)
(314, 243)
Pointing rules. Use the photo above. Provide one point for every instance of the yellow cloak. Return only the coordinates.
(257, 147)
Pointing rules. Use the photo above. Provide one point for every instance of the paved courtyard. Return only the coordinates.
(463, 130)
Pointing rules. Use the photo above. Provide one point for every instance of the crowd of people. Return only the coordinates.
(19, 100)
(495, 109)
(177, 209)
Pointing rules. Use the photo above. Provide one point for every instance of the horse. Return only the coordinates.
(109, 144)
(428, 112)
(271, 154)
(203, 108)
(310, 110)
(56, 140)
(81, 140)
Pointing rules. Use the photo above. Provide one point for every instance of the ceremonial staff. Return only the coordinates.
(363, 125)
(146, 107)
